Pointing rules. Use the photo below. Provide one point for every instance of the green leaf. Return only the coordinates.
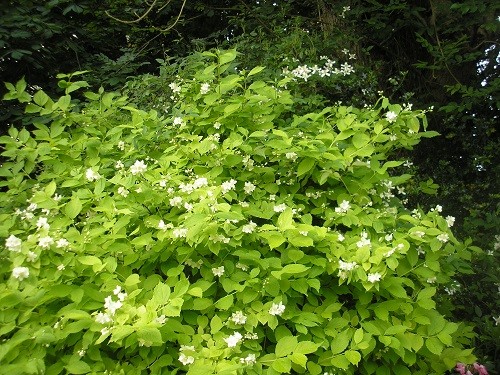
(161, 294)
(305, 166)
(216, 324)
(282, 365)
(434, 345)
(275, 239)
(360, 140)
(340, 342)
(353, 356)
(256, 70)
(40, 98)
(78, 367)
(299, 358)
(225, 302)
(64, 102)
(306, 347)
(89, 260)
(149, 336)
(286, 345)
(73, 207)
(285, 220)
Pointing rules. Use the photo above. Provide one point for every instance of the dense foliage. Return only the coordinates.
(326, 55)
(230, 234)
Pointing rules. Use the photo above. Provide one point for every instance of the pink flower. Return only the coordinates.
(460, 368)
(480, 369)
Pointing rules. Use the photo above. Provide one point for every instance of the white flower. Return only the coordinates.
(228, 185)
(291, 155)
(364, 241)
(249, 187)
(105, 331)
(432, 280)
(347, 266)
(161, 319)
(119, 164)
(91, 175)
(277, 309)
(200, 182)
(121, 145)
(233, 340)
(343, 207)
(57, 197)
(205, 88)
(175, 87)
(121, 296)
(31, 257)
(188, 206)
(374, 277)
(419, 233)
(81, 352)
(45, 242)
(103, 318)
(138, 167)
(20, 273)
(219, 271)
(13, 243)
(249, 228)
(42, 223)
(443, 237)
(186, 359)
(439, 208)
(391, 116)
(63, 242)
(217, 125)
(178, 121)
(497, 320)
(249, 359)
(179, 232)
(61, 267)
(238, 317)
(176, 201)
(162, 225)
(242, 266)
(340, 237)
(450, 220)
(111, 305)
(123, 192)
(280, 207)
(117, 290)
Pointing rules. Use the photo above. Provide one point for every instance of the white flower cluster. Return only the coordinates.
(364, 241)
(27, 214)
(110, 307)
(20, 273)
(343, 207)
(186, 359)
(12, 243)
(233, 339)
(228, 186)
(328, 69)
(249, 228)
(277, 309)
(238, 317)
(138, 167)
(249, 360)
(91, 175)
(374, 277)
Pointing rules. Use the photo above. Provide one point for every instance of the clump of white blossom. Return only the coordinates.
(277, 309)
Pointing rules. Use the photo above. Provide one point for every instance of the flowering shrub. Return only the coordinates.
(228, 235)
